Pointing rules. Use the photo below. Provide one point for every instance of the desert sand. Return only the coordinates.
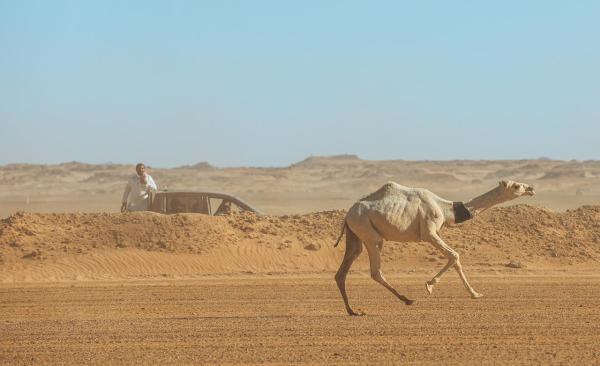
(313, 184)
(81, 283)
(522, 320)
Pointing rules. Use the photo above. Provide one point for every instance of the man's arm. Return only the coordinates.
(151, 186)
(125, 195)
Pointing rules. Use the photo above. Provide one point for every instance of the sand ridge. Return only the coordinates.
(83, 246)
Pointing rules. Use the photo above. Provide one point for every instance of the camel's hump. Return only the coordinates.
(390, 189)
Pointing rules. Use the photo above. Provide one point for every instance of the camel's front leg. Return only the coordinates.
(453, 260)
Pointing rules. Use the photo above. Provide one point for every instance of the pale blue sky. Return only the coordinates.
(267, 83)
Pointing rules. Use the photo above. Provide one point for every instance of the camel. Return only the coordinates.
(401, 214)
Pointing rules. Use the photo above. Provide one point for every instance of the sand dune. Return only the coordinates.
(56, 247)
(313, 184)
(110, 245)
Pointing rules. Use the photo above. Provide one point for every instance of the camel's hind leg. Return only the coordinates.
(353, 250)
(374, 248)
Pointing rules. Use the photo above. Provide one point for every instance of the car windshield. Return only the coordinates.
(191, 202)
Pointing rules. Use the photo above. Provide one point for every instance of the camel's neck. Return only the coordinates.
(486, 200)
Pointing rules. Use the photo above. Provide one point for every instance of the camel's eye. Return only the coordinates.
(517, 186)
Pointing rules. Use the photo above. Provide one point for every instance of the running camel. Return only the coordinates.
(401, 214)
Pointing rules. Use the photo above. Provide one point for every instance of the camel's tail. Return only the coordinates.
(341, 234)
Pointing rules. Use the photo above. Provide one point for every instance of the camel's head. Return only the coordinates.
(515, 189)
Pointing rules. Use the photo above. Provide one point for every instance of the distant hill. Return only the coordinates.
(312, 161)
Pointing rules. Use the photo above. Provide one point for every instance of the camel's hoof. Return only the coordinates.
(409, 302)
(354, 313)
(476, 295)
(428, 287)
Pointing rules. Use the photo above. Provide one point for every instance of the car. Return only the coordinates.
(208, 203)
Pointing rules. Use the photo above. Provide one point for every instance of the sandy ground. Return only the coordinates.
(522, 320)
(83, 284)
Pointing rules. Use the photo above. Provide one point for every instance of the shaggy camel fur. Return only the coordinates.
(401, 214)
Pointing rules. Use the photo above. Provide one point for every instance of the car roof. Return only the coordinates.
(213, 194)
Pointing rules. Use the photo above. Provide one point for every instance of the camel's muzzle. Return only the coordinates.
(529, 191)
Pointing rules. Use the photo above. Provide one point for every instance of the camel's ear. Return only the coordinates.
(504, 183)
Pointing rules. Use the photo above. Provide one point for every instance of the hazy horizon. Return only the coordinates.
(332, 157)
(267, 83)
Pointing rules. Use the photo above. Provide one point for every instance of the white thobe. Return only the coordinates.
(136, 193)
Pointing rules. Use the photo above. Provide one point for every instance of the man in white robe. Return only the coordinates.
(139, 186)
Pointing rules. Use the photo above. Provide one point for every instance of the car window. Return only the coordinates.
(227, 207)
(176, 205)
(199, 205)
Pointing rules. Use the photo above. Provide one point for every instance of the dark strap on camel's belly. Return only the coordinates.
(461, 213)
